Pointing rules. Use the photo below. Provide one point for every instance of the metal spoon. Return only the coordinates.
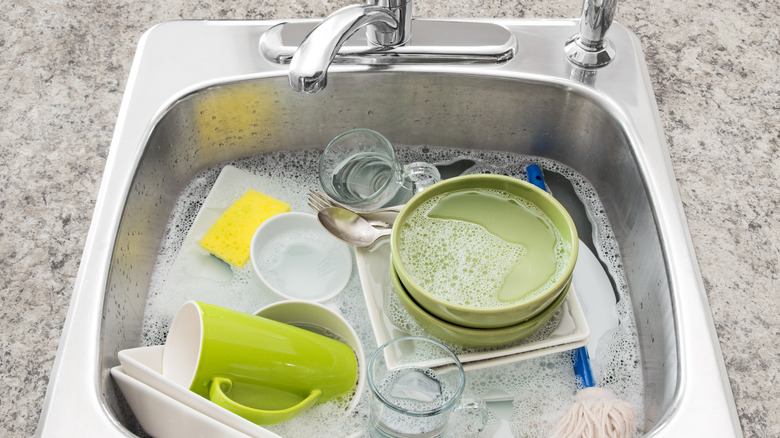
(350, 227)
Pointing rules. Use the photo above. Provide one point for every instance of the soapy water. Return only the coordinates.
(363, 177)
(415, 390)
(478, 262)
(301, 263)
(541, 389)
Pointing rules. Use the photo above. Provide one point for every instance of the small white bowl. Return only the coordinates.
(322, 320)
(295, 257)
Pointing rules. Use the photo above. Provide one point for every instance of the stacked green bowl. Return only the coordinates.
(483, 252)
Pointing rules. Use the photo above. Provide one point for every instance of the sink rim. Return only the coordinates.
(145, 102)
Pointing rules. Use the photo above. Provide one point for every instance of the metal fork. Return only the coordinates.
(318, 201)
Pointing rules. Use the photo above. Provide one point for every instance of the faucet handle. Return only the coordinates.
(590, 48)
(401, 10)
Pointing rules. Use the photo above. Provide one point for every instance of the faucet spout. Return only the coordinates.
(388, 26)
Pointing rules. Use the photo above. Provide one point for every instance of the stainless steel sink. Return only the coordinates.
(602, 123)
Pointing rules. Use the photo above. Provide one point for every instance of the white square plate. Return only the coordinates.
(567, 331)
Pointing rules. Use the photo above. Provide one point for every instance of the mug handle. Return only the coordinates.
(257, 416)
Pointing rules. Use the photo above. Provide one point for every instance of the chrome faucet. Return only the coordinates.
(388, 24)
(311, 50)
(590, 48)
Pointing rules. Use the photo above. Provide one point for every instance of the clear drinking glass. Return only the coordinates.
(359, 168)
(415, 385)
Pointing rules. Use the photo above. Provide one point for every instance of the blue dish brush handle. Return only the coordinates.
(535, 177)
(580, 355)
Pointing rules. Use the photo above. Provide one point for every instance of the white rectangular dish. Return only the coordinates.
(195, 274)
(144, 364)
(374, 269)
(163, 416)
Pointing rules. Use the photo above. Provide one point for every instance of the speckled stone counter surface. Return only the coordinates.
(64, 65)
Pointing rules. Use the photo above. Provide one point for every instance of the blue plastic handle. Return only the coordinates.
(582, 367)
(580, 356)
(535, 176)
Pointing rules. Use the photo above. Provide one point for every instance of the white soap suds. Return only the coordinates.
(542, 388)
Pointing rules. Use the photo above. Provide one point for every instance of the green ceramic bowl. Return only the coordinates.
(479, 200)
(474, 337)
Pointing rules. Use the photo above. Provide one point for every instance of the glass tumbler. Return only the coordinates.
(415, 384)
(359, 169)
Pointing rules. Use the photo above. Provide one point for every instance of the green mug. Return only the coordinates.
(263, 370)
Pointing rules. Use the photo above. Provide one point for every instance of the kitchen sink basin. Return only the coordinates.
(200, 94)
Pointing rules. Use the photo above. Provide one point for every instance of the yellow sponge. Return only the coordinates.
(231, 234)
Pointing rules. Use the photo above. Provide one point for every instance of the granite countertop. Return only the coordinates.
(64, 66)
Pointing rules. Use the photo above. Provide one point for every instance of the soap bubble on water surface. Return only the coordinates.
(414, 389)
(543, 388)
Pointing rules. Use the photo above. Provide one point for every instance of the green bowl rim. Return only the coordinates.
(473, 331)
(419, 198)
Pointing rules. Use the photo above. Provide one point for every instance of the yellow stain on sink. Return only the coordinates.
(233, 115)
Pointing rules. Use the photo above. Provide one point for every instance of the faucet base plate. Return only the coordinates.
(432, 41)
